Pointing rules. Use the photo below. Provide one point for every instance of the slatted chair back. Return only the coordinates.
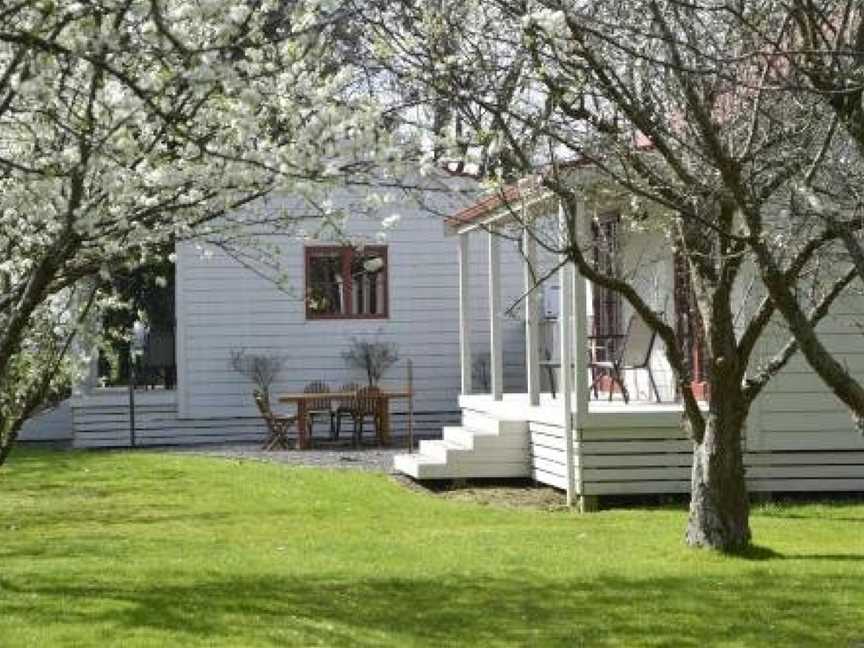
(317, 404)
(367, 400)
(277, 426)
(349, 402)
(638, 344)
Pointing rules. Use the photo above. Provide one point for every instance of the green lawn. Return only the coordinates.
(137, 549)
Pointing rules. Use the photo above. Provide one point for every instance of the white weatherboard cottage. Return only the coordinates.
(452, 313)
(799, 437)
(223, 306)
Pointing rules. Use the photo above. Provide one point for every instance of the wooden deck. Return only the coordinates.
(618, 448)
(601, 413)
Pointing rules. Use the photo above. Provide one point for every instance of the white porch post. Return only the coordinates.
(580, 363)
(580, 328)
(565, 310)
(532, 350)
(465, 312)
(496, 348)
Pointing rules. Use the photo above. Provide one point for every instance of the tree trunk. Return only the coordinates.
(719, 505)
(8, 436)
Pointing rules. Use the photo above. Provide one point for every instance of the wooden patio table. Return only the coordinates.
(301, 400)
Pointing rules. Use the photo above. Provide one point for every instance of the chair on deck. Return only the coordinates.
(277, 425)
(634, 354)
(346, 405)
(318, 407)
(367, 403)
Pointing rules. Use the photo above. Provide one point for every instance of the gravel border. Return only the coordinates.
(370, 459)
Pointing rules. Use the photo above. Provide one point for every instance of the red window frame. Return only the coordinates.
(688, 328)
(346, 256)
(608, 308)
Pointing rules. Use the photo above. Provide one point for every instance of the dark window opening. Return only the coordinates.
(147, 294)
(347, 283)
(607, 325)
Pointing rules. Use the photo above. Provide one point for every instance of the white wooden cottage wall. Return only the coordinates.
(52, 424)
(797, 411)
(646, 262)
(223, 306)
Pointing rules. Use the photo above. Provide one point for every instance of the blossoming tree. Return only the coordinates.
(711, 117)
(125, 124)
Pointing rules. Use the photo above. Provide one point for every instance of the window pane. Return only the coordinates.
(368, 272)
(325, 284)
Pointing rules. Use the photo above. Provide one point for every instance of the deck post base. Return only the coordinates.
(588, 503)
(763, 497)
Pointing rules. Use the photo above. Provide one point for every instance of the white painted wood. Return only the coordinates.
(491, 423)
(482, 441)
(182, 302)
(52, 424)
(580, 327)
(635, 447)
(549, 478)
(580, 364)
(496, 346)
(229, 307)
(812, 458)
(565, 293)
(532, 328)
(465, 313)
(822, 485)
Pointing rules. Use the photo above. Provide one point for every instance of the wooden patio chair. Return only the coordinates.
(367, 404)
(634, 354)
(346, 406)
(277, 425)
(318, 407)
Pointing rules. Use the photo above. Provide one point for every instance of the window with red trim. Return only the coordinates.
(343, 282)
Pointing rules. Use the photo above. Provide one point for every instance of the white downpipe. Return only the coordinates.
(532, 349)
(496, 347)
(465, 314)
(565, 294)
(580, 364)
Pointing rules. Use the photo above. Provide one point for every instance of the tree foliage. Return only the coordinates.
(130, 123)
(374, 357)
(260, 369)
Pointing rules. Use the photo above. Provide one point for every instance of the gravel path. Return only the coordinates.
(374, 459)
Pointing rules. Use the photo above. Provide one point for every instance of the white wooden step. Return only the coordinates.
(416, 466)
(451, 453)
(481, 441)
(442, 449)
(483, 422)
(423, 467)
(483, 446)
(470, 438)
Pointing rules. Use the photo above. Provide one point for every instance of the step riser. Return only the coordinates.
(480, 471)
(482, 447)
(484, 423)
(437, 450)
(481, 442)
(405, 465)
(468, 472)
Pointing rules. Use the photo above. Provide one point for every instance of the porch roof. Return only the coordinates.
(529, 189)
(500, 203)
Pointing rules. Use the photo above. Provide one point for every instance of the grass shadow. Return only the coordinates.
(449, 610)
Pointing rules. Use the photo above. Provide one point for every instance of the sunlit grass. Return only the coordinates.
(136, 549)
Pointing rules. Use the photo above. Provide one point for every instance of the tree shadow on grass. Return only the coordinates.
(757, 553)
(751, 609)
